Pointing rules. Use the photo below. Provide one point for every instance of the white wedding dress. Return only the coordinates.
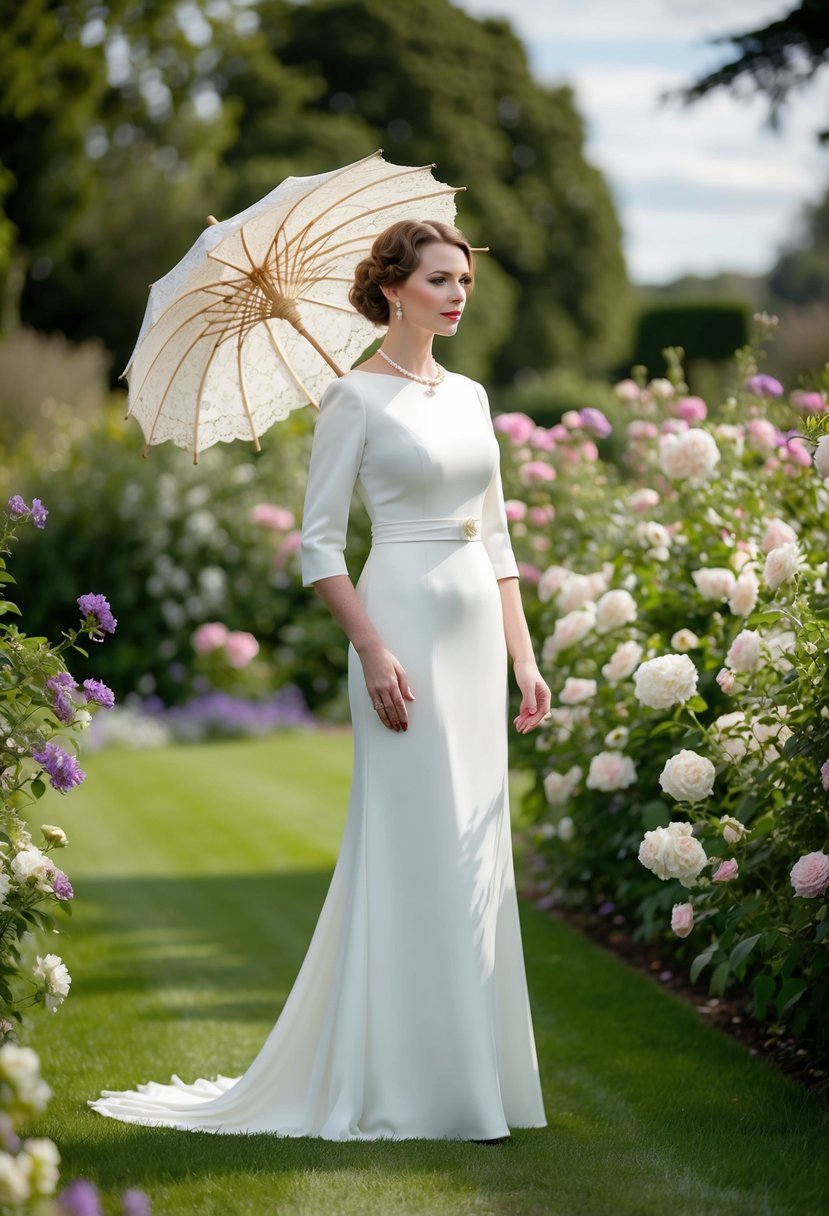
(410, 1015)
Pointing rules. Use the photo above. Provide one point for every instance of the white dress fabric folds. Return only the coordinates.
(409, 1017)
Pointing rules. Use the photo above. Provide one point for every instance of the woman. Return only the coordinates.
(409, 1017)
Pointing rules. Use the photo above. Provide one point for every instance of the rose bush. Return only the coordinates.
(685, 587)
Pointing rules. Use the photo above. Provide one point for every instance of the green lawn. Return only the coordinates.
(199, 873)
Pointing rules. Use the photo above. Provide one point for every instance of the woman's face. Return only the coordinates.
(434, 295)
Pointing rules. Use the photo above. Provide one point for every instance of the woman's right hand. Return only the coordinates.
(387, 682)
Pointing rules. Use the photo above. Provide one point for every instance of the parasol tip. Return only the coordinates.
(211, 219)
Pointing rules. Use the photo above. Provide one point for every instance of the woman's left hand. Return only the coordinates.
(535, 696)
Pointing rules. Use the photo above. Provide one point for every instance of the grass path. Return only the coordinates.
(199, 873)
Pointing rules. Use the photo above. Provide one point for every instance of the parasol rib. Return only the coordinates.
(202, 379)
(245, 402)
(296, 379)
(178, 367)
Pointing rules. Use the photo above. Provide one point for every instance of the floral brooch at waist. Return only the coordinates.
(469, 528)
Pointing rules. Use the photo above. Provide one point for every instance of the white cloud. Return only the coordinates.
(700, 188)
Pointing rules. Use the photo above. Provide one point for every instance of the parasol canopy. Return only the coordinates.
(254, 319)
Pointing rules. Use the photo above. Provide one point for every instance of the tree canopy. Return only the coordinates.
(125, 123)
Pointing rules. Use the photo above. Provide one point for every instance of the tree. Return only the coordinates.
(775, 60)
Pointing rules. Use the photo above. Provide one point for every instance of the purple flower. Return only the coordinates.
(63, 769)
(764, 386)
(595, 421)
(61, 686)
(80, 1198)
(16, 507)
(97, 607)
(99, 693)
(135, 1203)
(39, 513)
(61, 885)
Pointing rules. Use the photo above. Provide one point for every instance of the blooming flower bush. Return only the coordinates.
(680, 608)
(43, 708)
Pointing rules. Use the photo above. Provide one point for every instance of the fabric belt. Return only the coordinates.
(448, 528)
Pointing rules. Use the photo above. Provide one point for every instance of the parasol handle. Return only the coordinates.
(302, 330)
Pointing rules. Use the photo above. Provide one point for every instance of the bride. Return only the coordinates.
(410, 1015)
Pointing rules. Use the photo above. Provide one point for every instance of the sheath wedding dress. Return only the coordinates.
(410, 1016)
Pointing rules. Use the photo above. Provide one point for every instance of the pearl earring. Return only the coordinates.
(398, 310)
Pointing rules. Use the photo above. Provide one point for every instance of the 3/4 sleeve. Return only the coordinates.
(494, 527)
(336, 455)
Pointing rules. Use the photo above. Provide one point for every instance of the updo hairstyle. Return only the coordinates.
(394, 255)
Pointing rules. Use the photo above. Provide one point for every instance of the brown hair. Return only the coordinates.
(394, 255)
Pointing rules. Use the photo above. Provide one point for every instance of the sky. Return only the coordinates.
(698, 189)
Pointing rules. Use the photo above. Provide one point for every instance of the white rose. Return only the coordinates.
(576, 690)
(44, 1159)
(599, 579)
(672, 852)
(688, 777)
(731, 734)
(714, 582)
(744, 651)
(565, 828)
(643, 500)
(779, 644)
(559, 787)
(31, 863)
(740, 557)
(54, 835)
(82, 719)
(54, 976)
(610, 771)
(744, 595)
(652, 535)
(732, 829)
(663, 682)
(778, 533)
(568, 630)
(574, 592)
(623, 662)
(822, 457)
(764, 732)
(550, 581)
(782, 564)
(692, 454)
(617, 737)
(684, 640)
(20, 1069)
(14, 1180)
(614, 609)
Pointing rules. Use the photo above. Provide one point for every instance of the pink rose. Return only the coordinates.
(289, 544)
(692, 409)
(643, 500)
(762, 436)
(590, 452)
(515, 509)
(808, 402)
(531, 573)
(627, 390)
(810, 875)
(727, 681)
(517, 427)
(682, 919)
(797, 451)
(824, 775)
(536, 470)
(640, 429)
(539, 517)
(571, 419)
(725, 871)
(542, 437)
(674, 426)
(778, 533)
(278, 519)
(240, 648)
(209, 636)
(559, 433)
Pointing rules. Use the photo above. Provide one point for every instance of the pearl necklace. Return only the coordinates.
(430, 392)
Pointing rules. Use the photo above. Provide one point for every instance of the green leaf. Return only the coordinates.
(37, 788)
(790, 992)
(764, 987)
(719, 977)
(697, 704)
(702, 960)
(7, 606)
(762, 827)
(742, 950)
